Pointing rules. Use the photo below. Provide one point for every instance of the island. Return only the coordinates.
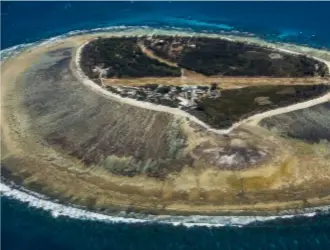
(169, 123)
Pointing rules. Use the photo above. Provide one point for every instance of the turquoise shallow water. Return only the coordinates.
(25, 227)
(300, 22)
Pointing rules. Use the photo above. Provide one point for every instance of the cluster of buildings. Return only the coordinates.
(176, 42)
(185, 96)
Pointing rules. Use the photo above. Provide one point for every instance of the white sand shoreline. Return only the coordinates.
(252, 120)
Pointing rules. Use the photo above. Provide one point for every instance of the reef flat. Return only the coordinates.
(310, 124)
(77, 142)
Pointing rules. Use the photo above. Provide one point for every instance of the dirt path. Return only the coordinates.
(150, 54)
(185, 73)
(223, 82)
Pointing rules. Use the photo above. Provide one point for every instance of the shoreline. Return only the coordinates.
(170, 210)
(57, 209)
(251, 120)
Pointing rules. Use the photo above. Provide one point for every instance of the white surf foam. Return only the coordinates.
(14, 50)
(198, 23)
(56, 209)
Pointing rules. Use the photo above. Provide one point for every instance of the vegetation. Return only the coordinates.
(211, 56)
(236, 104)
(122, 57)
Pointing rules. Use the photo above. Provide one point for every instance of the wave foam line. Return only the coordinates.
(14, 50)
(199, 23)
(56, 210)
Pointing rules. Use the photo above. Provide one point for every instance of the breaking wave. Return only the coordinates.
(198, 23)
(56, 209)
(14, 50)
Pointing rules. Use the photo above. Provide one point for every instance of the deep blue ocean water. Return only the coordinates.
(24, 227)
(31, 228)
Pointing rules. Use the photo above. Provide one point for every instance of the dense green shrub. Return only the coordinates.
(123, 58)
(237, 104)
(211, 56)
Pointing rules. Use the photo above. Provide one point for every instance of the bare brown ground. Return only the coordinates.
(223, 82)
(298, 176)
(152, 55)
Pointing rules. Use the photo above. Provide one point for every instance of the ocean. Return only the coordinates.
(30, 226)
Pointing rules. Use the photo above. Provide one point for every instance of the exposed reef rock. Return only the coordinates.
(311, 124)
